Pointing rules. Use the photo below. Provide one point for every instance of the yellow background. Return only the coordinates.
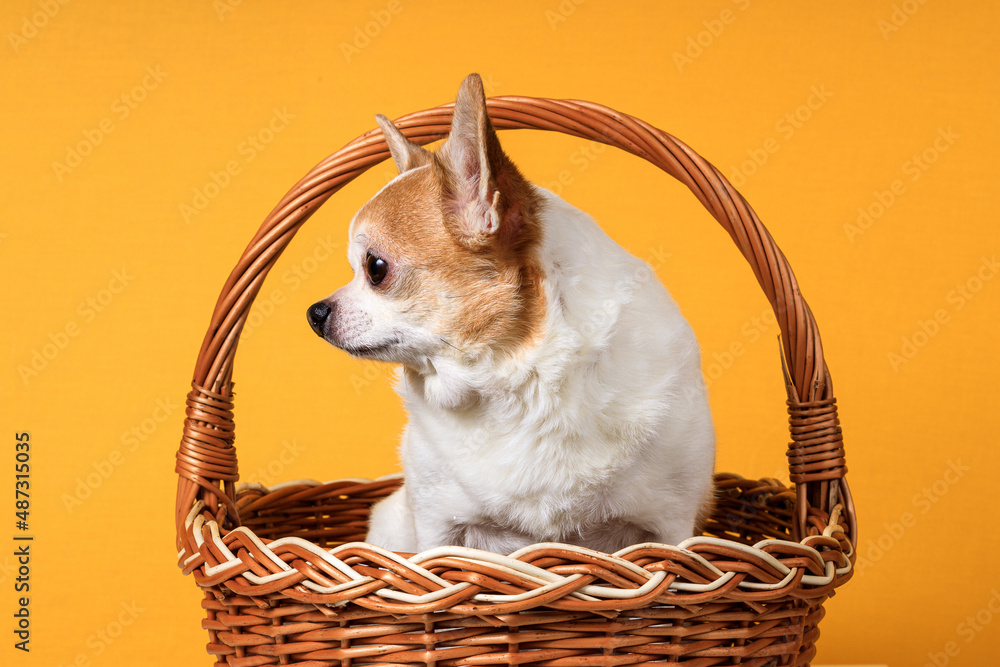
(815, 110)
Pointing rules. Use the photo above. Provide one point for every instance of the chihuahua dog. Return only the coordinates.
(553, 389)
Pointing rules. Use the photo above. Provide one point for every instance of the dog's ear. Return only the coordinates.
(406, 154)
(482, 185)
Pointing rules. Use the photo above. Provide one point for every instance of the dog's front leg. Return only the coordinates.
(391, 523)
(491, 536)
(435, 528)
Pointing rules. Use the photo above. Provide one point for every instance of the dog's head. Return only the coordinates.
(444, 256)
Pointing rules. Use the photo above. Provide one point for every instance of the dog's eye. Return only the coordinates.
(375, 268)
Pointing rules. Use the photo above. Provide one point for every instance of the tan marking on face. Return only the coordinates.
(487, 296)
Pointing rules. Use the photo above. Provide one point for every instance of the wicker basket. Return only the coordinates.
(288, 580)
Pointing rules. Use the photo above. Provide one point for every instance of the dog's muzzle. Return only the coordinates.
(318, 314)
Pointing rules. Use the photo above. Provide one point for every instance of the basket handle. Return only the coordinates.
(206, 460)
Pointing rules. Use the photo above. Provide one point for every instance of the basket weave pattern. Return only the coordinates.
(288, 579)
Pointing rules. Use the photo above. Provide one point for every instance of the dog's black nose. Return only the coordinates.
(318, 314)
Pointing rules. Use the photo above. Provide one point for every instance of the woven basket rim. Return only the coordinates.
(381, 580)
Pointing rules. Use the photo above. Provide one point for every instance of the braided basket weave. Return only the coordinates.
(288, 579)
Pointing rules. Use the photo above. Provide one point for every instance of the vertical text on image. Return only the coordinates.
(22, 540)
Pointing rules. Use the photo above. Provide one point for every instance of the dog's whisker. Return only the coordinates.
(446, 342)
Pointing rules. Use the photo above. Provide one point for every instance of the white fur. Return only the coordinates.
(604, 421)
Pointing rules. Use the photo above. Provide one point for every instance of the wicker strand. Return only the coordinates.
(207, 457)
(816, 452)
